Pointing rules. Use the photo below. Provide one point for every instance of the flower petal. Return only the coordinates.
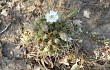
(51, 17)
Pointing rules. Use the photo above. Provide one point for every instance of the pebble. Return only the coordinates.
(87, 14)
(10, 51)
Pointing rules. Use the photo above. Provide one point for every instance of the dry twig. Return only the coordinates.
(5, 29)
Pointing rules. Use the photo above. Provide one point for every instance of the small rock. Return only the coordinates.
(10, 51)
(78, 22)
(65, 37)
(87, 14)
(7, 50)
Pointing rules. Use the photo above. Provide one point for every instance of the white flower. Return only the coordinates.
(51, 17)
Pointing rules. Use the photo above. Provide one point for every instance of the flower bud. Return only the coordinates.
(45, 36)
